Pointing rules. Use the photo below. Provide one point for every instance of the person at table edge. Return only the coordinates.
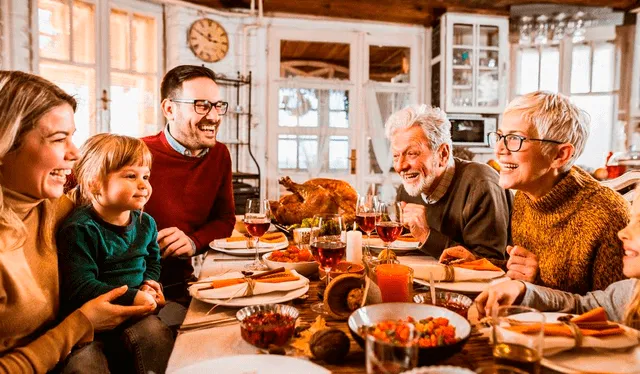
(446, 201)
(564, 222)
(192, 199)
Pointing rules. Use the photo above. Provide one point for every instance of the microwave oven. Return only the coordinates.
(471, 130)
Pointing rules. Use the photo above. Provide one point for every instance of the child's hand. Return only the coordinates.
(157, 291)
(145, 299)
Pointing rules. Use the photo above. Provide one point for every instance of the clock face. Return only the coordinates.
(208, 40)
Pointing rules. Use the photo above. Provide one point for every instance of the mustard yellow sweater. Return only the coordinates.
(573, 231)
(32, 339)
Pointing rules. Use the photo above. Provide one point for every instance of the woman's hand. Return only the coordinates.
(503, 293)
(457, 252)
(522, 264)
(155, 289)
(105, 316)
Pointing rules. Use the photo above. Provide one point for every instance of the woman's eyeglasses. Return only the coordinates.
(513, 142)
(204, 106)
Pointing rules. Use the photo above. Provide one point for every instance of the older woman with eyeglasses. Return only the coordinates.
(564, 222)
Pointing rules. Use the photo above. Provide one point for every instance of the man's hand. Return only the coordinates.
(174, 242)
(415, 217)
(503, 293)
(106, 316)
(455, 253)
(154, 289)
(522, 265)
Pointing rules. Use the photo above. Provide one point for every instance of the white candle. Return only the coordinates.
(354, 246)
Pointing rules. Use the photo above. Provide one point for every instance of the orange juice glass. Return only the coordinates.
(395, 282)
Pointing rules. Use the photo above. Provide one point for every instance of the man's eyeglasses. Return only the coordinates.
(204, 106)
(513, 142)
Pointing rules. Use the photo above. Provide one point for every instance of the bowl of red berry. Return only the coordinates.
(266, 325)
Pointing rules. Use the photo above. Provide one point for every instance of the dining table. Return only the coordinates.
(224, 339)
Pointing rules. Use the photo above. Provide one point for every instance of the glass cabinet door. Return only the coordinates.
(488, 82)
(462, 65)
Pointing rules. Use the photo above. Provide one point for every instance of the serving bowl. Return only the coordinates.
(372, 314)
(455, 302)
(264, 325)
(305, 268)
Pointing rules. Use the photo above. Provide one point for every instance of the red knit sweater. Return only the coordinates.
(194, 194)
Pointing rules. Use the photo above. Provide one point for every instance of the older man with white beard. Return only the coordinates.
(447, 202)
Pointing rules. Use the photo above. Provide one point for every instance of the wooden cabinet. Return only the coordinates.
(469, 65)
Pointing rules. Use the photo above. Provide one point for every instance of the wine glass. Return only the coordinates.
(327, 245)
(366, 217)
(257, 221)
(389, 227)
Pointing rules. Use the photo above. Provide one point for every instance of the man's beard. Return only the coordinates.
(423, 185)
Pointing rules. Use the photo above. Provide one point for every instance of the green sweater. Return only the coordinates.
(96, 257)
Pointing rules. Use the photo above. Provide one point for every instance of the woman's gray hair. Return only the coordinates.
(554, 117)
(432, 120)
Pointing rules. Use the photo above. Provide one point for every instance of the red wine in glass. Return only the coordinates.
(389, 231)
(367, 221)
(257, 226)
(329, 253)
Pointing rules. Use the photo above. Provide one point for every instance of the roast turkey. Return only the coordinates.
(315, 196)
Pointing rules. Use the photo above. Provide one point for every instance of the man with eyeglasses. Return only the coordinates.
(565, 224)
(192, 199)
(447, 202)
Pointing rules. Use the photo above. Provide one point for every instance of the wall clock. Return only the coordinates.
(208, 40)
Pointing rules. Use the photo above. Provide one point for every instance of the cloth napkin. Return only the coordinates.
(400, 243)
(275, 237)
(596, 332)
(234, 243)
(239, 288)
(421, 270)
(481, 264)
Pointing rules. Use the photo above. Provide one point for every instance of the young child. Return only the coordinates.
(621, 300)
(108, 242)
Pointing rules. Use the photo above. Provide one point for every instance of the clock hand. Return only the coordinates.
(205, 36)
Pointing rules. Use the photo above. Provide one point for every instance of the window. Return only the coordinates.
(118, 92)
(592, 87)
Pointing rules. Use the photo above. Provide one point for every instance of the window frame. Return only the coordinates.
(102, 65)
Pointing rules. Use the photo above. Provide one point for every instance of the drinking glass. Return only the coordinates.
(257, 221)
(523, 351)
(386, 358)
(395, 282)
(327, 245)
(389, 227)
(366, 217)
(499, 369)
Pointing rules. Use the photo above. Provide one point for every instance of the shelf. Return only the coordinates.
(461, 87)
(461, 67)
(241, 175)
(240, 113)
(231, 142)
(496, 49)
(461, 46)
(486, 68)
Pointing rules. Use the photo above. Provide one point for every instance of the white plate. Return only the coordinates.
(468, 287)
(377, 245)
(442, 369)
(262, 248)
(258, 364)
(267, 298)
(595, 361)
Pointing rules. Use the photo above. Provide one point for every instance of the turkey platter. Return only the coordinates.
(315, 196)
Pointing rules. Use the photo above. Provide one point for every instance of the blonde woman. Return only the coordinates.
(36, 153)
(621, 300)
(564, 222)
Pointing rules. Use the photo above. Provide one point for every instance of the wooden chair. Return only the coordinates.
(624, 184)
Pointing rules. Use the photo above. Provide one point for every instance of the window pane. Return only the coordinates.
(298, 107)
(120, 38)
(338, 108)
(307, 151)
(488, 88)
(462, 34)
(389, 64)
(145, 44)
(133, 104)
(53, 28)
(489, 36)
(314, 59)
(79, 82)
(528, 70)
(600, 108)
(287, 152)
(339, 153)
(580, 68)
(84, 50)
(550, 66)
(604, 56)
